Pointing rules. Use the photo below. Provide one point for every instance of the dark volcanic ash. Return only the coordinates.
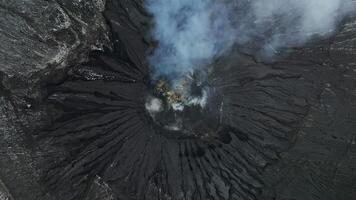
(114, 131)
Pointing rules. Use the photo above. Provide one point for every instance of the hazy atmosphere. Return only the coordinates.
(192, 33)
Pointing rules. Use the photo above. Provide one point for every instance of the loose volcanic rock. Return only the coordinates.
(4, 192)
(257, 112)
(321, 163)
(281, 129)
(39, 37)
(39, 40)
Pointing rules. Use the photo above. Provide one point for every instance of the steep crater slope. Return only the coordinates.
(262, 109)
(277, 128)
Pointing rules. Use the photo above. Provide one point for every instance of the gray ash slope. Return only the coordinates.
(38, 40)
(292, 120)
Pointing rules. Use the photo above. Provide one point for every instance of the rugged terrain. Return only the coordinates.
(73, 82)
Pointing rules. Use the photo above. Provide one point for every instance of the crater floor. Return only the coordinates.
(90, 127)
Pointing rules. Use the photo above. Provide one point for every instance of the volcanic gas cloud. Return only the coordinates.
(193, 33)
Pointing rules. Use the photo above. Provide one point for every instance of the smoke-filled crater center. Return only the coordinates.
(186, 108)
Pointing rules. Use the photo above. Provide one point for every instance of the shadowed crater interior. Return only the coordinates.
(151, 139)
(115, 125)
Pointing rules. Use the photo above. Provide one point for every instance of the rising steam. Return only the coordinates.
(191, 33)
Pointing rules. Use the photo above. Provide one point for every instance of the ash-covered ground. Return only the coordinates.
(81, 116)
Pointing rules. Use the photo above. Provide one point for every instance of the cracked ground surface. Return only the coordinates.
(78, 129)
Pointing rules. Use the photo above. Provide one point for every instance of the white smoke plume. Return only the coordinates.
(191, 33)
